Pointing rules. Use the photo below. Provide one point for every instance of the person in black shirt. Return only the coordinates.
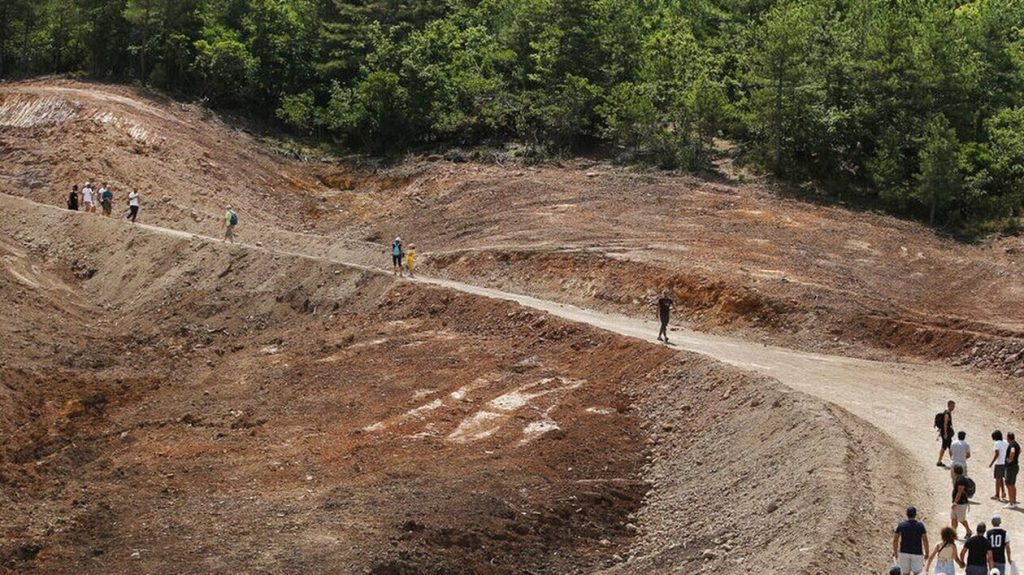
(946, 431)
(1012, 467)
(73, 198)
(1000, 545)
(958, 511)
(665, 307)
(909, 543)
(978, 552)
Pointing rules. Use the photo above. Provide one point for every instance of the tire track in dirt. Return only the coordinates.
(899, 399)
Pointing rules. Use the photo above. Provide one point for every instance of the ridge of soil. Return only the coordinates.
(193, 406)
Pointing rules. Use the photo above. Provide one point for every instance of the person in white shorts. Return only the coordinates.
(88, 198)
(958, 510)
(909, 544)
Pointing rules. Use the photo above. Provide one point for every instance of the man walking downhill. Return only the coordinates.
(960, 452)
(665, 307)
(999, 446)
(1012, 467)
(978, 552)
(1000, 545)
(909, 543)
(958, 511)
(946, 430)
(230, 221)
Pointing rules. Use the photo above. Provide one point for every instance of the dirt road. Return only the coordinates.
(899, 399)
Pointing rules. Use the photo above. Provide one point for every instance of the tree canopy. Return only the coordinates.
(915, 106)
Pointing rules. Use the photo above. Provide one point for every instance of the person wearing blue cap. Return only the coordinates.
(909, 542)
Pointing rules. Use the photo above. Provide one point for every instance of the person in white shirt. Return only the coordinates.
(999, 462)
(960, 451)
(88, 198)
(133, 205)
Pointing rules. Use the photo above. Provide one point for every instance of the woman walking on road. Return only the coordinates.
(945, 554)
(396, 255)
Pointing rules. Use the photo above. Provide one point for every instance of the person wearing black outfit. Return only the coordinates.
(665, 307)
(1000, 545)
(958, 511)
(978, 552)
(1012, 467)
(73, 198)
(946, 431)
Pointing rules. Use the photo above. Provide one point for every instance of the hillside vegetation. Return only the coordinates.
(913, 106)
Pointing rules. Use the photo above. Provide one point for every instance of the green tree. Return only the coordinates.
(939, 181)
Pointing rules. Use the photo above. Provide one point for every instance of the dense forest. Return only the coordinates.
(917, 106)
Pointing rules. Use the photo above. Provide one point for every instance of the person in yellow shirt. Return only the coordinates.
(410, 259)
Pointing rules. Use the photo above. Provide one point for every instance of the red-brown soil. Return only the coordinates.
(170, 401)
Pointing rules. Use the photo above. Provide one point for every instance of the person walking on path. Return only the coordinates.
(960, 452)
(945, 555)
(133, 205)
(946, 430)
(88, 198)
(665, 307)
(958, 511)
(396, 256)
(230, 221)
(1000, 545)
(978, 553)
(73, 198)
(410, 260)
(999, 446)
(909, 543)
(106, 200)
(1012, 467)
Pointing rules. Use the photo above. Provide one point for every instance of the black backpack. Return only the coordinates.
(940, 420)
(969, 487)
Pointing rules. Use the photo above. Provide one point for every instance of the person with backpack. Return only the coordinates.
(133, 205)
(1012, 467)
(106, 200)
(963, 489)
(230, 221)
(944, 423)
(999, 543)
(978, 553)
(73, 198)
(396, 255)
(999, 446)
(909, 543)
(945, 555)
(960, 452)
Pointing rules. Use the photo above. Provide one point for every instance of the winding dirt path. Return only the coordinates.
(900, 399)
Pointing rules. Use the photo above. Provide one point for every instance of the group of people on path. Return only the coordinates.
(403, 259)
(986, 550)
(88, 198)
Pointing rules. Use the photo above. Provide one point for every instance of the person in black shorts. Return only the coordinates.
(946, 431)
(1012, 467)
(73, 198)
(665, 307)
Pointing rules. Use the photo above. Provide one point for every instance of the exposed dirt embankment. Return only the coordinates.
(226, 409)
(799, 317)
(741, 468)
